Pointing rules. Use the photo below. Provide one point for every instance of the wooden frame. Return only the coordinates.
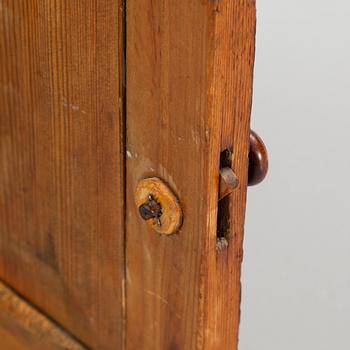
(95, 97)
(189, 90)
(21, 325)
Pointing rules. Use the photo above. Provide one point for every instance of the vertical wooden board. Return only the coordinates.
(230, 103)
(61, 168)
(189, 88)
(167, 137)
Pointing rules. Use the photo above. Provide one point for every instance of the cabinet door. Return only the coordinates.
(117, 118)
(61, 168)
(189, 90)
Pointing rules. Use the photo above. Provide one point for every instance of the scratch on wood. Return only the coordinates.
(163, 300)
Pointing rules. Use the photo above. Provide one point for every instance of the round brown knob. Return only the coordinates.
(258, 160)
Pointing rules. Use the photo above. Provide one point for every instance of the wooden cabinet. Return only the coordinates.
(94, 97)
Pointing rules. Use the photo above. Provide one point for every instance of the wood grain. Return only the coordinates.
(23, 327)
(189, 90)
(230, 102)
(61, 165)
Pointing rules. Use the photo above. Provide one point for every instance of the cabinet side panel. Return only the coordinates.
(61, 168)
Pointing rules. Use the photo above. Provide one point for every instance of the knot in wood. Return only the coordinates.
(158, 205)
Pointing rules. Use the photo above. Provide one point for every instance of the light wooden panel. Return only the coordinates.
(189, 89)
(22, 327)
(61, 168)
(232, 63)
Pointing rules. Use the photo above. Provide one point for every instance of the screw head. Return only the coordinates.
(151, 210)
(158, 205)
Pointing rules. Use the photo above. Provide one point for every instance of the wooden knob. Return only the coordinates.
(258, 160)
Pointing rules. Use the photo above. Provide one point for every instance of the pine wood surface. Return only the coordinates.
(189, 67)
(230, 105)
(189, 90)
(22, 327)
(61, 168)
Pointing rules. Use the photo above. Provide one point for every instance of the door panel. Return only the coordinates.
(61, 169)
(189, 90)
(73, 154)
